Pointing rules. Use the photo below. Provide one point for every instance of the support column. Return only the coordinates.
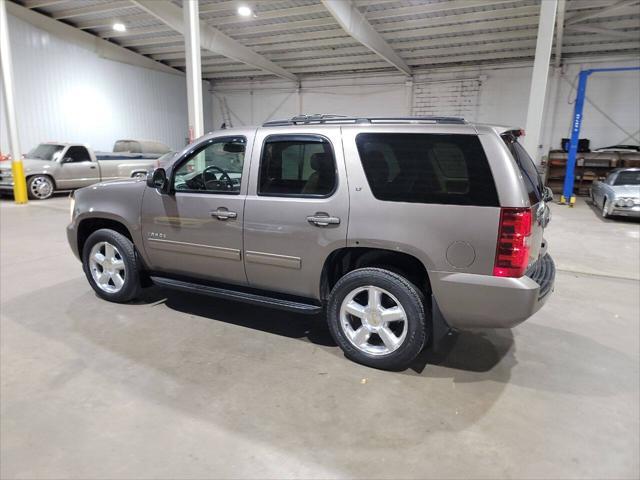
(194, 69)
(19, 183)
(539, 78)
(408, 86)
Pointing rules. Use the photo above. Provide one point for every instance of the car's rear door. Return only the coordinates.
(297, 208)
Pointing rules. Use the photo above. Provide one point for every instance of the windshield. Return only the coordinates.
(628, 178)
(46, 151)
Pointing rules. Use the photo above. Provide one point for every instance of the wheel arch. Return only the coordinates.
(91, 224)
(30, 175)
(344, 260)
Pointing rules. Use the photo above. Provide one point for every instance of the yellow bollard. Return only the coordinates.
(19, 182)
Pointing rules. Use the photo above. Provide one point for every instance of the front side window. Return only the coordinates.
(427, 168)
(215, 167)
(299, 165)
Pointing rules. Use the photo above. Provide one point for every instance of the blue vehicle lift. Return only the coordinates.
(567, 193)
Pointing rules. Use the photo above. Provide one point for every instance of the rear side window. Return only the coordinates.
(427, 168)
(297, 165)
(528, 169)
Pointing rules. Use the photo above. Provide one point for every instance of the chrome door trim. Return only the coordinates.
(194, 248)
(273, 259)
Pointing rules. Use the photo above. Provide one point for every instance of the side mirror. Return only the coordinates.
(547, 195)
(158, 179)
(67, 160)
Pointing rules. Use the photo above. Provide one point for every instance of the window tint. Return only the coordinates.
(629, 177)
(214, 168)
(77, 154)
(427, 168)
(528, 169)
(297, 165)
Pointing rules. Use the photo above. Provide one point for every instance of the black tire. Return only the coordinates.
(40, 187)
(604, 212)
(131, 286)
(411, 300)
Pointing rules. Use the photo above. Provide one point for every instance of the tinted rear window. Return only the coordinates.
(427, 168)
(528, 169)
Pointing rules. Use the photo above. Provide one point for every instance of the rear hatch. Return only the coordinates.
(540, 212)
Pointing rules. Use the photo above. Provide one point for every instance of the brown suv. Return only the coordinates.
(399, 228)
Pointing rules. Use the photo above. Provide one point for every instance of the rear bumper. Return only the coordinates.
(482, 301)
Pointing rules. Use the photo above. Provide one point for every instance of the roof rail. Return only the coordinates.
(341, 119)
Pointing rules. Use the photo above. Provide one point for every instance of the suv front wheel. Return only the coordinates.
(377, 317)
(110, 264)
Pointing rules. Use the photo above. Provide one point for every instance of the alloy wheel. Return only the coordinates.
(41, 188)
(107, 267)
(373, 320)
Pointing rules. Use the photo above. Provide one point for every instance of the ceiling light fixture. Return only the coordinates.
(119, 27)
(244, 11)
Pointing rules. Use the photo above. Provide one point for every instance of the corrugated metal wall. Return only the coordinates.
(67, 93)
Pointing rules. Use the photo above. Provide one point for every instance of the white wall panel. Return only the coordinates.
(482, 94)
(67, 93)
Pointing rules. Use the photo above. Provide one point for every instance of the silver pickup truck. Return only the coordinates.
(66, 166)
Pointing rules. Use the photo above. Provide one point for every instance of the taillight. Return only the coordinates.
(512, 252)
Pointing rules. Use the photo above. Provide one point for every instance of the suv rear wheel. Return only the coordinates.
(377, 317)
(110, 264)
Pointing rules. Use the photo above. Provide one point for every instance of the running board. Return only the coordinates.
(238, 296)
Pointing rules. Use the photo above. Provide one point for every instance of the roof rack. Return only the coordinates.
(341, 119)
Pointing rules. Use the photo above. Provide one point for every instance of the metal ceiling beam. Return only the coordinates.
(264, 15)
(338, 45)
(430, 8)
(152, 41)
(605, 31)
(460, 18)
(356, 25)
(580, 17)
(212, 39)
(102, 48)
(40, 3)
(109, 21)
(111, 33)
(90, 10)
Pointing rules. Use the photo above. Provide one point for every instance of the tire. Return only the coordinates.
(116, 278)
(365, 337)
(40, 187)
(605, 209)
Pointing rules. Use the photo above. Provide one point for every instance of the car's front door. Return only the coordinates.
(196, 229)
(76, 169)
(297, 209)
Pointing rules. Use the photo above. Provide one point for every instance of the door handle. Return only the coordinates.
(223, 214)
(92, 167)
(323, 220)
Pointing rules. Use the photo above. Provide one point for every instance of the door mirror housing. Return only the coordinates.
(158, 179)
(547, 195)
(67, 160)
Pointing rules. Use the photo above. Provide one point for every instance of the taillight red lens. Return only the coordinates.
(512, 252)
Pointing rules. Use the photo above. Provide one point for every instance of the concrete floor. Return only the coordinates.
(179, 386)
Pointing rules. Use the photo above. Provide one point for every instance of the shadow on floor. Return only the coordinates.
(472, 351)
